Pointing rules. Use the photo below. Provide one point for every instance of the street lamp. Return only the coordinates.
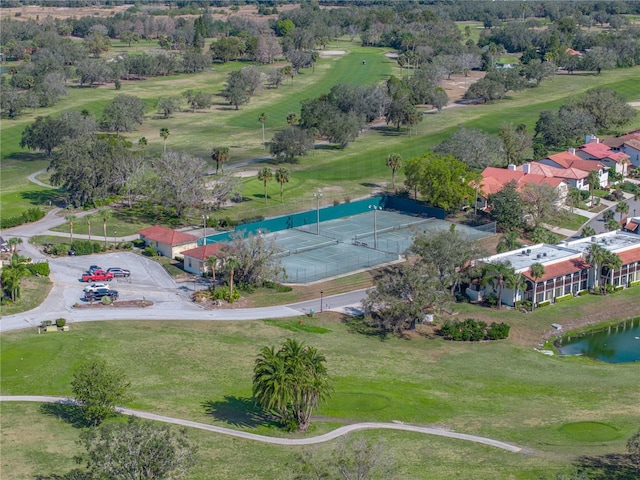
(114, 238)
(321, 293)
(317, 196)
(204, 223)
(375, 209)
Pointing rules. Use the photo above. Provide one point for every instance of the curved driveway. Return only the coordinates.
(338, 432)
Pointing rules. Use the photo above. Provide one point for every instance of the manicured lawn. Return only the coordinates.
(33, 291)
(202, 371)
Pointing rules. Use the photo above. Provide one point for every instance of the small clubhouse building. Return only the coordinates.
(195, 259)
(566, 269)
(166, 241)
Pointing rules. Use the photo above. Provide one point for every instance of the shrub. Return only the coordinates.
(85, 247)
(126, 246)
(545, 303)
(150, 251)
(222, 293)
(106, 300)
(61, 322)
(59, 249)
(491, 299)
(582, 293)
(40, 268)
(28, 216)
(138, 243)
(497, 331)
(634, 284)
(563, 298)
(179, 258)
(473, 330)
(47, 323)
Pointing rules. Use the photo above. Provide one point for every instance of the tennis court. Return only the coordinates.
(335, 247)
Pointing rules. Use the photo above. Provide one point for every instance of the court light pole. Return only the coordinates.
(204, 224)
(114, 238)
(375, 209)
(321, 293)
(317, 196)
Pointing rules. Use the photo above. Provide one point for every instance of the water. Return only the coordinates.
(616, 344)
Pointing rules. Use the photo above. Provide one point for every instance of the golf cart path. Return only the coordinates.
(338, 432)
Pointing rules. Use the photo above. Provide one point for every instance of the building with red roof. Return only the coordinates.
(195, 259)
(628, 144)
(569, 159)
(595, 150)
(567, 270)
(166, 241)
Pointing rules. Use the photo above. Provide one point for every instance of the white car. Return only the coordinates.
(95, 286)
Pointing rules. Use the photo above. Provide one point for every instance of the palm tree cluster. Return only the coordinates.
(290, 382)
(12, 274)
(602, 260)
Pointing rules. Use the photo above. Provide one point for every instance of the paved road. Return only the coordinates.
(339, 432)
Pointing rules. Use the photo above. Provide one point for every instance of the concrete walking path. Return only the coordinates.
(338, 432)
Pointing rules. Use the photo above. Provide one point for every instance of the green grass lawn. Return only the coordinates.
(202, 371)
(350, 172)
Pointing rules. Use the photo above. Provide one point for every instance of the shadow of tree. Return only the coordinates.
(611, 466)
(240, 412)
(359, 326)
(390, 131)
(69, 413)
(43, 197)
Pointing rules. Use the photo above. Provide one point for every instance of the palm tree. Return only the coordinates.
(575, 197)
(612, 262)
(611, 224)
(231, 264)
(516, 282)
(70, 219)
(622, 208)
(87, 219)
(211, 263)
(262, 118)
(282, 177)
(12, 274)
(596, 256)
(143, 142)
(509, 241)
(587, 231)
(536, 270)
(13, 243)
(593, 179)
(291, 382)
(265, 175)
(220, 155)
(105, 214)
(164, 133)
(394, 162)
(292, 118)
(497, 273)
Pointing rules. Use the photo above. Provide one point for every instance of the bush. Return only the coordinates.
(40, 268)
(545, 303)
(59, 249)
(491, 299)
(222, 293)
(150, 252)
(107, 300)
(473, 330)
(28, 216)
(85, 247)
(138, 243)
(634, 284)
(61, 322)
(582, 293)
(563, 298)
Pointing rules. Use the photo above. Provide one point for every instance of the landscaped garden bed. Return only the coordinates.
(117, 304)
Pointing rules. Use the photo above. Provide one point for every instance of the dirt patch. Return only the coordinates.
(117, 304)
(459, 84)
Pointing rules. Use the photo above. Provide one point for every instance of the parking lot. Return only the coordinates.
(148, 279)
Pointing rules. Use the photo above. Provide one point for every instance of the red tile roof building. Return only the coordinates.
(167, 241)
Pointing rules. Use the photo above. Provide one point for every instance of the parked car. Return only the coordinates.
(97, 276)
(93, 268)
(95, 286)
(119, 272)
(99, 293)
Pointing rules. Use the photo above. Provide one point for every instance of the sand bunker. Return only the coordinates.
(332, 52)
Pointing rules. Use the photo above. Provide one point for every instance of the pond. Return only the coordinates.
(615, 344)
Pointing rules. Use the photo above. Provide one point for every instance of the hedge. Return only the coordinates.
(634, 284)
(563, 298)
(40, 268)
(473, 330)
(28, 216)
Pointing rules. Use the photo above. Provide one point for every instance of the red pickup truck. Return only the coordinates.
(97, 276)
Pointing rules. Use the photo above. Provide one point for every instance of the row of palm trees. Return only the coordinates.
(104, 215)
